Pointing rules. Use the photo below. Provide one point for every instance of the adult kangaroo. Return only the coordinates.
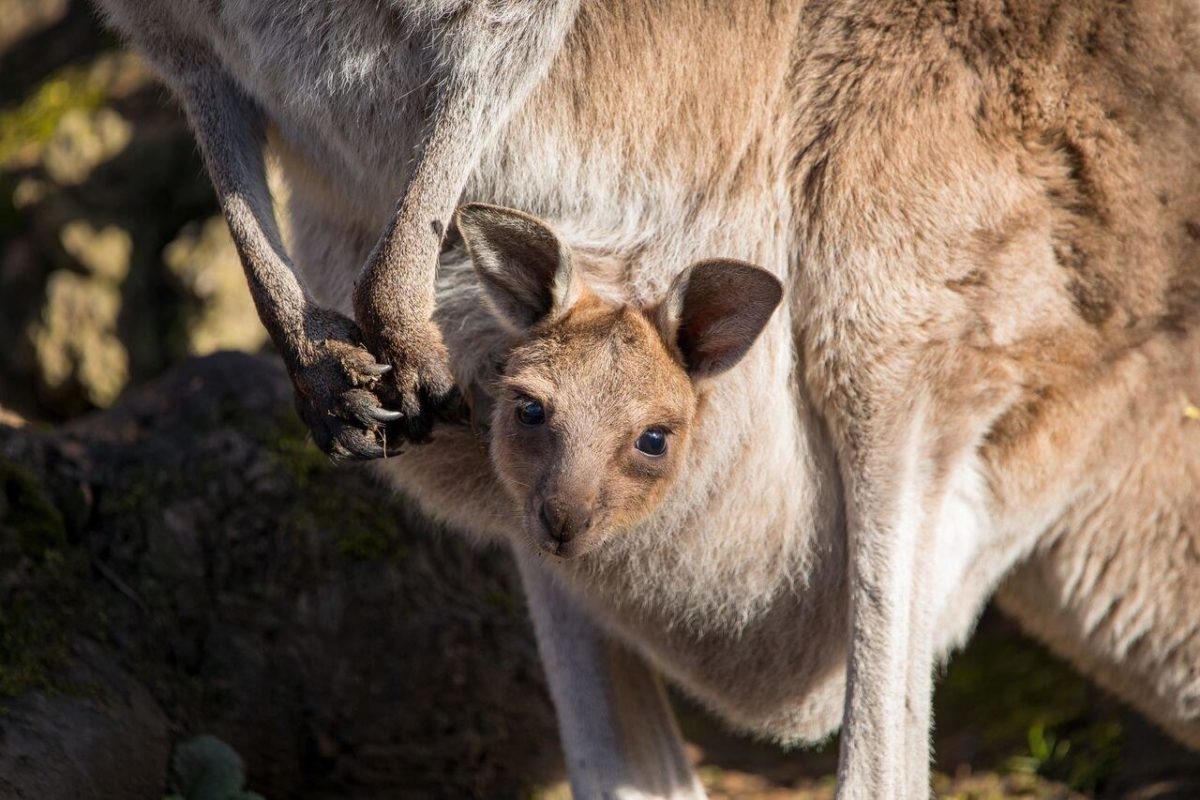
(986, 216)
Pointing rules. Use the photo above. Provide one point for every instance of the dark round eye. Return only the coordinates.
(530, 412)
(652, 442)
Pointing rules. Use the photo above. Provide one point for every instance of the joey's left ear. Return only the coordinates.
(715, 310)
(524, 268)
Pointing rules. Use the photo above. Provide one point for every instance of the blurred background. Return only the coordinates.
(194, 603)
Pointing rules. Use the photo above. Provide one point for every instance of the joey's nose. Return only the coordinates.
(564, 523)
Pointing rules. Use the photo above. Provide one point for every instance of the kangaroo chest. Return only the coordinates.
(630, 132)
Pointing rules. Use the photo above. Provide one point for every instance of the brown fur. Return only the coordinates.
(602, 376)
(606, 376)
(985, 216)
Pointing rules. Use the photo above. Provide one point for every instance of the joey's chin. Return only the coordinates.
(573, 548)
(565, 550)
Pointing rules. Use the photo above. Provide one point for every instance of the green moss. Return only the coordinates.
(31, 123)
(298, 456)
(362, 530)
(1034, 714)
(27, 514)
(42, 580)
(33, 645)
(137, 489)
(35, 625)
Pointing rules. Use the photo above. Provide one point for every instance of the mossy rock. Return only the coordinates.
(98, 174)
(28, 517)
(41, 584)
(26, 129)
(305, 614)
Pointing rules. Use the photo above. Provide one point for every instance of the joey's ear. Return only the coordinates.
(715, 310)
(524, 269)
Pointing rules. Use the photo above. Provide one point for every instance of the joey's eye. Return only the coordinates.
(652, 442)
(530, 412)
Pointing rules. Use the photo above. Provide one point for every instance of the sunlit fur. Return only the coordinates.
(987, 215)
(604, 376)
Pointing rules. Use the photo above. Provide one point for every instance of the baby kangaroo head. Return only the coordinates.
(598, 401)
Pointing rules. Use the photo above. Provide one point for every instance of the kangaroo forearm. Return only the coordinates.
(283, 306)
(395, 288)
(230, 132)
(483, 87)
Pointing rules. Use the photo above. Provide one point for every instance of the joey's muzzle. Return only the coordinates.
(561, 526)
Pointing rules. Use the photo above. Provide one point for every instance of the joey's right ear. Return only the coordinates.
(524, 268)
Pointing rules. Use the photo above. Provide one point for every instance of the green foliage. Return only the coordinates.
(36, 563)
(30, 124)
(1082, 755)
(205, 768)
(1034, 715)
(27, 516)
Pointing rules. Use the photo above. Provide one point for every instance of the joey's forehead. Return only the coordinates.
(611, 358)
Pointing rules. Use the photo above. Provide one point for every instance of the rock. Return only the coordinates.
(102, 738)
(306, 615)
(69, 113)
(98, 177)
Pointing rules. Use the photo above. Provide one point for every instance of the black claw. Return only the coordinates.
(343, 404)
(361, 408)
(383, 415)
(358, 446)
